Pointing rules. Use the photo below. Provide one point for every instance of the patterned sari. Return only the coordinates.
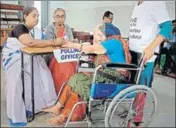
(16, 110)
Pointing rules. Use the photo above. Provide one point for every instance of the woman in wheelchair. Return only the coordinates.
(109, 47)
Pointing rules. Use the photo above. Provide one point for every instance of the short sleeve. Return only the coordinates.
(159, 11)
(166, 29)
(112, 46)
(19, 30)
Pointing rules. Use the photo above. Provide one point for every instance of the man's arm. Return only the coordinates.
(161, 17)
(165, 31)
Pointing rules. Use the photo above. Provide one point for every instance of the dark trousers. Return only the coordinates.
(170, 62)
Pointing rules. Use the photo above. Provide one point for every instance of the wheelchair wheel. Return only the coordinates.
(133, 106)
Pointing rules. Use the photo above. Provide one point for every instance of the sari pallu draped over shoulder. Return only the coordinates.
(44, 93)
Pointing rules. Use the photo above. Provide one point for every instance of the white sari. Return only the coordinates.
(44, 93)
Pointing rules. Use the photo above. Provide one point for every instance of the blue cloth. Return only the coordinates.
(4, 45)
(147, 74)
(111, 30)
(114, 50)
(7, 61)
(166, 29)
(43, 36)
(20, 124)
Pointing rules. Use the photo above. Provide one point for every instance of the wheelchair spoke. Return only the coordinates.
(138, 98)
(142, 111)
(142, 107)
(123, 114)
(123, 124)
(145, 114)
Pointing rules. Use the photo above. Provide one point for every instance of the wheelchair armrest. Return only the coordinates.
(119, 65)
(90, 64)
(89, 54)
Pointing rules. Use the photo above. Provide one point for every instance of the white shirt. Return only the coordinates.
(144, 24)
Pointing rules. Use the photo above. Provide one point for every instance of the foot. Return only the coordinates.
(54, 109)
(56, 120)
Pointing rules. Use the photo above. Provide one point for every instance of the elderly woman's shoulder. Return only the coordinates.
(67, 26)
(50, 25)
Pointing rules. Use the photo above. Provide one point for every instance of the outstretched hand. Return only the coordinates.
(59, 41)
(68, 44)
(148, 53)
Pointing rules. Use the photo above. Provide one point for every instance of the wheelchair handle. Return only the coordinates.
(119, 65)
(142, 65)
(157, 54)
(89, 54)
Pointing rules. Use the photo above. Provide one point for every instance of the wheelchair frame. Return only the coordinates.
(88, 118)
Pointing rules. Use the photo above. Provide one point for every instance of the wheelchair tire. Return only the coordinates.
(129, 115)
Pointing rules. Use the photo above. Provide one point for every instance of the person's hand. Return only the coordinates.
(148, 53)
(59, 41)
(76, 40)
(68, 44)
(98, 35)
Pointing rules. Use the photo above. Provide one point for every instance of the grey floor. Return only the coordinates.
(164, 88)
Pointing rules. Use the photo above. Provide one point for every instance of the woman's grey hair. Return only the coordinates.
(59, 9)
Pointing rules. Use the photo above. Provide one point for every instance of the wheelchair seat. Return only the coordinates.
(107, 91)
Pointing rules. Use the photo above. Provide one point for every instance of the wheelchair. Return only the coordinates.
(121, 103)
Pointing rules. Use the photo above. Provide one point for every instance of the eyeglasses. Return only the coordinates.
(58, 16)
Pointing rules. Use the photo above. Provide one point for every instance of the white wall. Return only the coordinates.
(52, 5)
(37, 4)
(84, 15)
(171, 9)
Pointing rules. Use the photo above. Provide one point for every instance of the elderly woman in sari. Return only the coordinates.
(61, 72)
(109, 47)
(24, 35)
